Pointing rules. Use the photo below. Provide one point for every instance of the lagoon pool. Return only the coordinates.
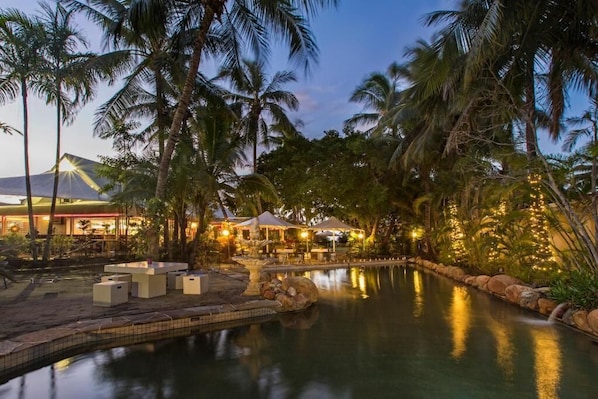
(380, 332)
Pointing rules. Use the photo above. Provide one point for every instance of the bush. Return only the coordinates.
(579, 288)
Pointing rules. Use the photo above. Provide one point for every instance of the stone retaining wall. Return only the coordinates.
(27, 350)
(516, 292)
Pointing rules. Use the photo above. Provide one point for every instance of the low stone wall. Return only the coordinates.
(56, 343)
(516, 292)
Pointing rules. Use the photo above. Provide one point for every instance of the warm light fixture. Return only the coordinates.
(66, 166)
(225, 232)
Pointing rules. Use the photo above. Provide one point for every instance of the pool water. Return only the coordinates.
(385, 332)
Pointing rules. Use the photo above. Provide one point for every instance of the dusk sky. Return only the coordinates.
(354, 40)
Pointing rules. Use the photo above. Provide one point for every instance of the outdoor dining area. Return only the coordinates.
(146, 279)
(291, 243)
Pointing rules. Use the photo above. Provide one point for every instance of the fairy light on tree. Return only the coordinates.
(457, 233)
(541, 257)
(498, 214)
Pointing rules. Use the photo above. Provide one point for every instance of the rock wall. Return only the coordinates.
(516, 292)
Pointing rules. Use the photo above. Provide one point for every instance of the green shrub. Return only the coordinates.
(61, 244)
(579, 288)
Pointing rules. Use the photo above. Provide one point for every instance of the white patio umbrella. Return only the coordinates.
(332, 224)
(268, 221)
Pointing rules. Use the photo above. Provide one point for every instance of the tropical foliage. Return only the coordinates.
(443, 160)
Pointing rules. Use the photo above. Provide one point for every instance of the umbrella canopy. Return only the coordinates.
(332, 224)
(267, 221)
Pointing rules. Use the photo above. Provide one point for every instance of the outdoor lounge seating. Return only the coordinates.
(110, 293)
(174, 280)
(194, 284)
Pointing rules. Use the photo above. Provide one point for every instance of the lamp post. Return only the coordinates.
(226, 234)
(305, 236)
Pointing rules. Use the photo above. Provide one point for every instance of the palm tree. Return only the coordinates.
(514, 41)
(589, 129)
(380, 94)
(257, 22)
(21, 41)
(7, 129)
(155, 63)
(68, 78)
(259, 101)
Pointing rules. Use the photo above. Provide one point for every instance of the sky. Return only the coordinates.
(354, 40)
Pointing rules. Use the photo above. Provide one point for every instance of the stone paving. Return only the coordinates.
(49, 300)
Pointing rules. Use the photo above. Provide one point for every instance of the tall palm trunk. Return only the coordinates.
(32, 229)
(46, 255)
(213, 10)
(531, 139)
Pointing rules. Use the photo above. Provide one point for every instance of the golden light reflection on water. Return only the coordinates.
(418, 288)
(358, 281)
(505, 351)
(460, 320)
(547, 363)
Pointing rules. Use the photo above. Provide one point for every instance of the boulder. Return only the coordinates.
(302, 285)
(593, 320)
(269, 294)
(287, 303)
(546, 306)
(580, 319)
(513, 292)
(470, 280)
(481, 281)
(455, 272)
(301, 301)
(499, 283)
(529, 299)
(567, 316)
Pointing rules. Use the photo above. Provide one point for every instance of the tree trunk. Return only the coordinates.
(32, 229)
(531, 138)
(213, 10)
(49, 233)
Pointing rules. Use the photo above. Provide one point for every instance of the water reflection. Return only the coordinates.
(460, 319)
(254, 342)
(505, 351)
(418, 289)
(547, 363)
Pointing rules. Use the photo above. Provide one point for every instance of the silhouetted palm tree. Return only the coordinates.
(21, 43)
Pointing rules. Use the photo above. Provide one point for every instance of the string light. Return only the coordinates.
(457, 233)
(542, 256)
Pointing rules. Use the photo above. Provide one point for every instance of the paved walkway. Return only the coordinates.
(40, 301)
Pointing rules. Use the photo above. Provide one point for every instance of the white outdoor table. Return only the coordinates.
(149, 280)
(319, 252)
